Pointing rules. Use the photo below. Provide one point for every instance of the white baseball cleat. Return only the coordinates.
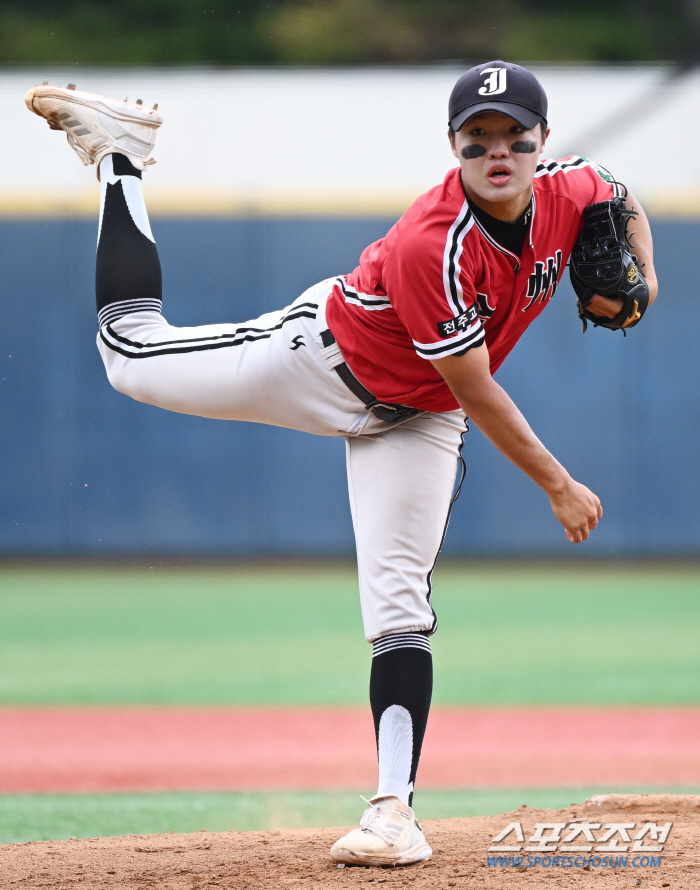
(388, 835)
(97, 126)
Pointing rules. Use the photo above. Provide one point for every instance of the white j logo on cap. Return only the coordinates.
(494, 83)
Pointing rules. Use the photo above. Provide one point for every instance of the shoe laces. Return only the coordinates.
(372, 821)
(83, 155)
(79, 150)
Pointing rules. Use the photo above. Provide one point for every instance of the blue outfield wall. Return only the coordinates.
(85, 470)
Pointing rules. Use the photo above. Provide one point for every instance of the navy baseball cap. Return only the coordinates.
(498, 86)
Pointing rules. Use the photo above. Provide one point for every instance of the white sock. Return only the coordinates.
(132, 189)
(395, 753)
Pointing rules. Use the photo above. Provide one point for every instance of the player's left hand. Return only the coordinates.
(602, 262)
(608, 307)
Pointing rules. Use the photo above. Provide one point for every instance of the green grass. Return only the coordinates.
(33, 817)
(293, 634)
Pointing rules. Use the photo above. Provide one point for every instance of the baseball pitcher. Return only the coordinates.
(392, 356)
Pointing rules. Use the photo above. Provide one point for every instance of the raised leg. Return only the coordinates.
(268, 370)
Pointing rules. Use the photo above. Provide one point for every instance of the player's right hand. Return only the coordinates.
(578, 510)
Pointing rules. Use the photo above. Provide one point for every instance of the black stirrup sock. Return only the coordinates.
(400, 689)
(128, 276)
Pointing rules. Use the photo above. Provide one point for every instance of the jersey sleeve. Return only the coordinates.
(588, 182)
(427, 280)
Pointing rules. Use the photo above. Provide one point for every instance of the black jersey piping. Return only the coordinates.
(555, 164)
(351, 295)
(451, 266)
(475, 338)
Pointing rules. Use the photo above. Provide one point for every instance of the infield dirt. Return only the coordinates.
(299, 859)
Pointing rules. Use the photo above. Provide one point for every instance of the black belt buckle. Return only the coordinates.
(390, 413)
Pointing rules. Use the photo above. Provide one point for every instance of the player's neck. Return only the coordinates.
(506, 211)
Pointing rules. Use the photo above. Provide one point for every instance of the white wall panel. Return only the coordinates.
(342, 141)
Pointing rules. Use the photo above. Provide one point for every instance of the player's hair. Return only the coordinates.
(543, 130)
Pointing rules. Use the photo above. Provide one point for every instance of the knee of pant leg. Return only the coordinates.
(119, 372)
(119, 378)
(126, 374)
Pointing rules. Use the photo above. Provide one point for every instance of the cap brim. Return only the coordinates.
(520, 115)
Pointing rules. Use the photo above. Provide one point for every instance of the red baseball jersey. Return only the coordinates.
(437, 283)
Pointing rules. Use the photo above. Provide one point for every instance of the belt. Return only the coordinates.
(387, 411)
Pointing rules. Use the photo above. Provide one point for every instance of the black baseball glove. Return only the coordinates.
(602, 263)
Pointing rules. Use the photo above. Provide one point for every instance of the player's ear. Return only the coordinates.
(545, 135)
(451, 137)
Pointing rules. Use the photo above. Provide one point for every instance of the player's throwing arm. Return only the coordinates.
(497, 416)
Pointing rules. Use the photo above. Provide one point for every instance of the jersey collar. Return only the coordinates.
(514, 259)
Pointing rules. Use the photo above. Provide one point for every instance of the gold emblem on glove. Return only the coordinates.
(635, 316)
(632, 274)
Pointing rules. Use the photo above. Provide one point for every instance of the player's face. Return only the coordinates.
(498, 158)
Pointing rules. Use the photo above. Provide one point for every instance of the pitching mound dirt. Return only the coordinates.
(299, 859)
